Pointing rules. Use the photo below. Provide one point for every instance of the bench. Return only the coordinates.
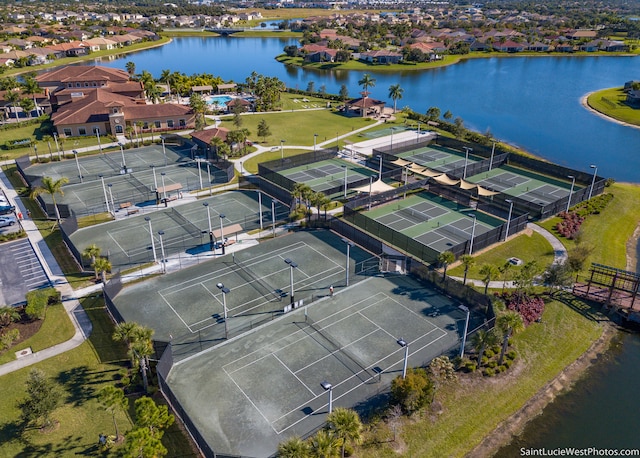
(125, 205)
(133, 211)
(170, 199)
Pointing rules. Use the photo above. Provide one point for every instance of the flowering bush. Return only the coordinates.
(570, 224)
(529, 308)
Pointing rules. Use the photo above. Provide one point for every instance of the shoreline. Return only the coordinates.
(584, 102)
(561, 383)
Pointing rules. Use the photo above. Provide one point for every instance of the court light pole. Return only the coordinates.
(225, 291)
(155, 178)
(593, 181)
(113, 207)
(573, 182)
(206, 204)
(222, 216)
(506, 233)
(164, 151)
(493, 150)
(292, 266)
(315, 139)
(349, 245)
(418, 135)
(465, 309)
(153, 243)
(104, 191)
(98, 135)
(346, 182)
(328, 387)
(405, 344)
(75, 153)
(473, 233)
(124, 164)
(392, 129)
(281, 150)
(379, 156)
(164, 191)
(209, 176)
(199, 173)
(466, 160)
(163, 260)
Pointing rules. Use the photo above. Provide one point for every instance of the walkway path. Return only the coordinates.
(559, 257)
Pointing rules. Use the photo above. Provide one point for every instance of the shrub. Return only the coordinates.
(38, 300)
(489, 372)
(507, 363)
(511, 354)
(489, 353)
(492, 364)
(529, 308)
(484, 360)
(470, 366)
(8, 338)
(496, 349)
(570, 224)
(502, 368)
(413, 392)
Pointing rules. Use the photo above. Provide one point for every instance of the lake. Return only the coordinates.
(531, 102)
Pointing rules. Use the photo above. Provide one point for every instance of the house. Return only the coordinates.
(509, 46)
(582, 34)
(326, 55)
(203, 139)
(71, 49)
(235, 102)
(565, 47)
(97, 44)
(633, 98)
(538, 47)
(105, 112)
(381, 57)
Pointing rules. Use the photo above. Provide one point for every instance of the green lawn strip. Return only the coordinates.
(611, 102)
(81, 373)
(298, 127)
(56, 328)
(608, 232)
(524, 246)
(473, 407)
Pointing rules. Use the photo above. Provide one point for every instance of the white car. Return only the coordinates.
(7, 221)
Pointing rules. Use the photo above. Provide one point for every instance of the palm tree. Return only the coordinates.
(92, 252)
(27, 106)
(366, 82)
(30, 87)
(8, 315)
(293, 447)
(102, 265)
(483, 339)
(504, 272)
(199, 107)
(488, 272)
(325, 445)
(138, 340)
(13, 97)
(131, 68)
(467, 261)
(444, 259)
(395, 94)
(510, 323)
(346, 426)
(51, 187)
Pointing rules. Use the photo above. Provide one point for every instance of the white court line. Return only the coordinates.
(116, 242)
(174, 311)
(252, 403)
(293, 373)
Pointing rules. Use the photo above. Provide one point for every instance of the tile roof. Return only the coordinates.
(84, 73)
(207, 135)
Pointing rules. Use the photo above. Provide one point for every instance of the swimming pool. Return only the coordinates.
(218, 101)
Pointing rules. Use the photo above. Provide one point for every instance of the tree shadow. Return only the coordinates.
(589, 309)
(79, 384)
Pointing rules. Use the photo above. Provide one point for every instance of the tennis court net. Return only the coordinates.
(256, 281)
(338, 351)
(542, 196)
(138, 185)
(117, 167)
(413, 215)
(316, 173)
(457, 234)
(501, 181)
(184, 223)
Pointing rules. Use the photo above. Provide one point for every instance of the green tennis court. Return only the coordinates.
(438, 158)
(434, 221)
(329, 174)
(526, 184)
(128, 241)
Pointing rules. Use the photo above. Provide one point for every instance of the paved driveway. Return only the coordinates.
(20, 272)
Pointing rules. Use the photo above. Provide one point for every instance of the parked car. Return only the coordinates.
(6, 209)
(7, 221)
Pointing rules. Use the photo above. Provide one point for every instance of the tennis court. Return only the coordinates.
(187, 306)
(128, 241)
(433, 221)
(438, 158)
(265, 387)
(328, 174)
(527, 185)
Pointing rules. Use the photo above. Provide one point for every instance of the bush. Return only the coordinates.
(489, 353)
(38, 300)
(489, 372)
(484, 360)
(470, 366)
(8, 338)
(507, 363)
(413, 392)
(502, 368)
(529, 308)
(511, 354)
(492, 364)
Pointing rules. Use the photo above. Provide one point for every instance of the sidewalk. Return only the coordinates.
(77, 315)
(559, 257)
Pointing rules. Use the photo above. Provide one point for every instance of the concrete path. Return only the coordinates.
(559, 257)
(77, 315)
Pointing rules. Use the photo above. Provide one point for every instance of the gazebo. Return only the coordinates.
(369, 105)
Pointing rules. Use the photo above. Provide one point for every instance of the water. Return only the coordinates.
(600, 411)
(532, 102)
(218, 102)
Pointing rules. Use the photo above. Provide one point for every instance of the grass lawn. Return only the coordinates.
(611, 102)
(80, 373)
(608, 232)
(56, 328)
(527, 247)
(472, 407)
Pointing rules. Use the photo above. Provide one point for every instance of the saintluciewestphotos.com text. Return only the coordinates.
(570, 451)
